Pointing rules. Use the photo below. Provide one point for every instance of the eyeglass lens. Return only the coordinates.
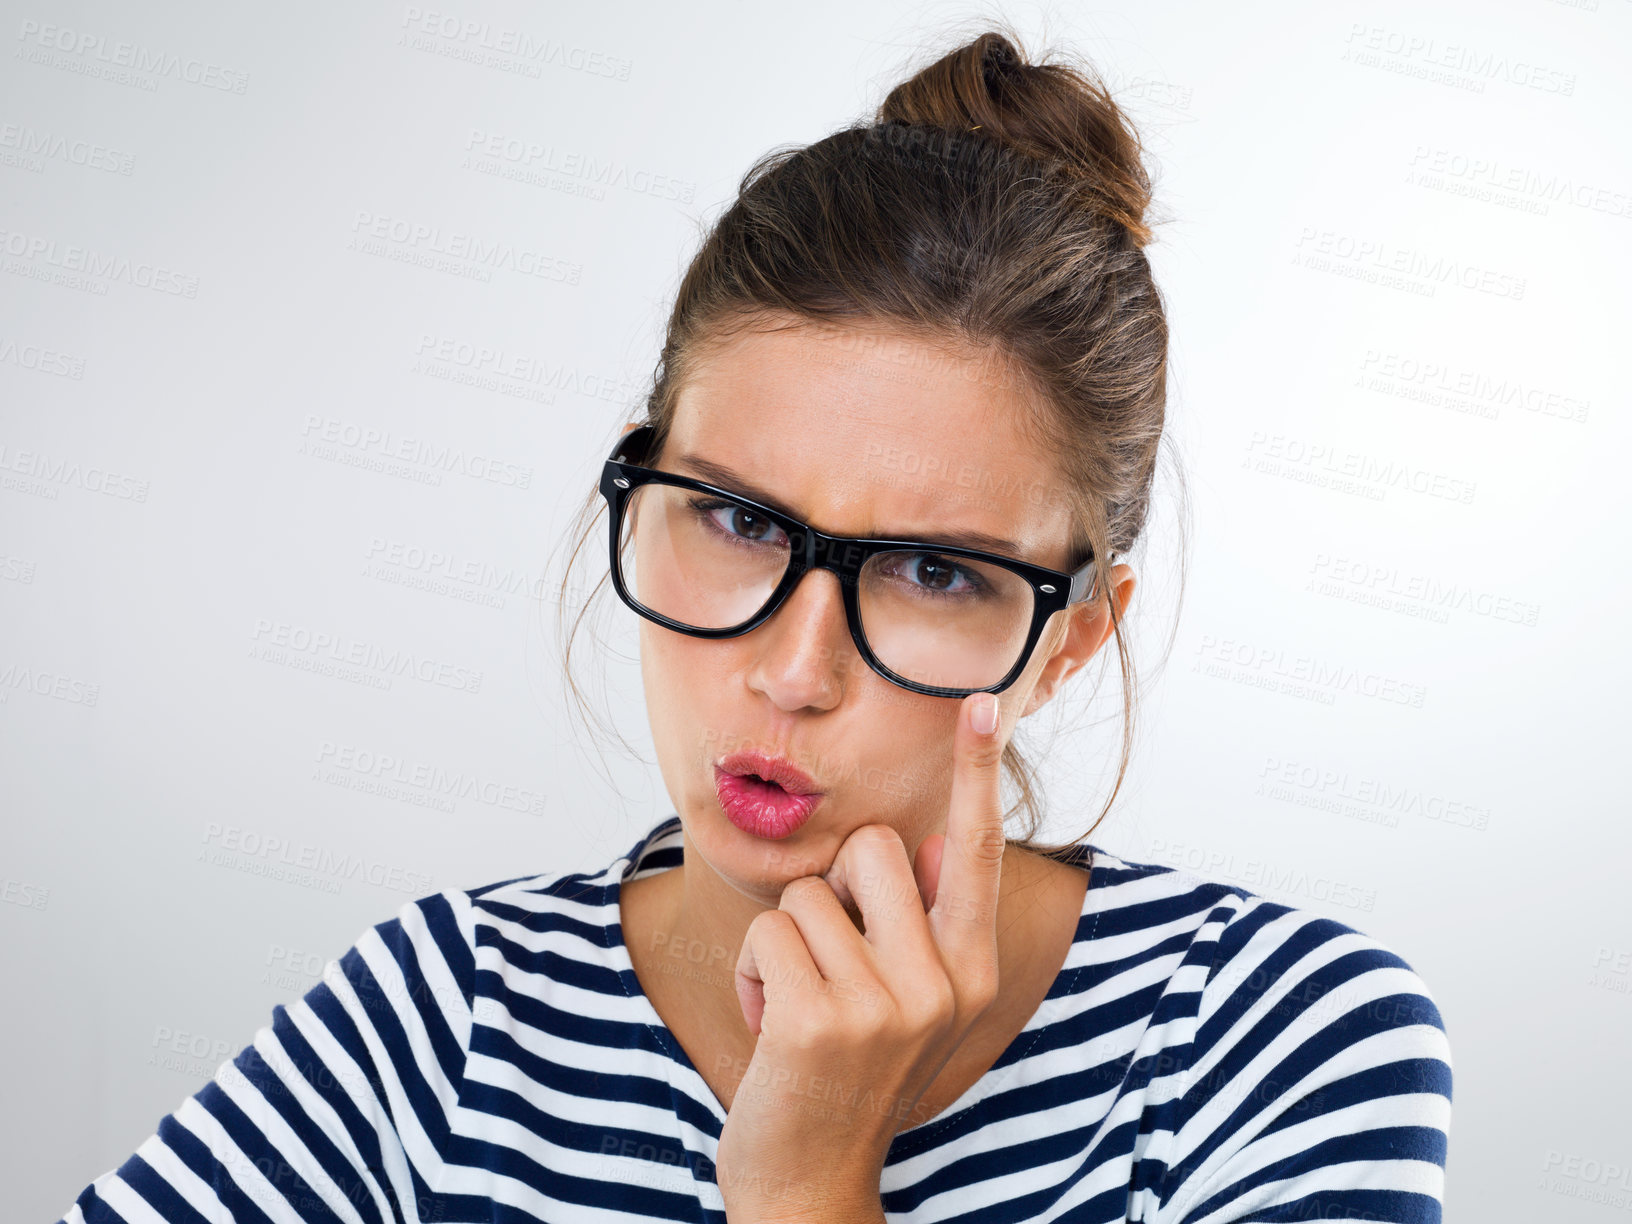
(931, 618)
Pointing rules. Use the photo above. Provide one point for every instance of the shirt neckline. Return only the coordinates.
(666, 835)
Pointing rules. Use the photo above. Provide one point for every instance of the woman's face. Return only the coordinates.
(859, 433)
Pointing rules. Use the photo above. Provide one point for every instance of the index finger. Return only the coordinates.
(964, 916)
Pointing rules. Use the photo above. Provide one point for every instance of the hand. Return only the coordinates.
(852, 1027)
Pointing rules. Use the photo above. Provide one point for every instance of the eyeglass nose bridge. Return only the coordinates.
(815, 551)
(797, 573)
(841, 557)
(812, 550)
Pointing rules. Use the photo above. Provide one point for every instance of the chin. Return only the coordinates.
(774, 862)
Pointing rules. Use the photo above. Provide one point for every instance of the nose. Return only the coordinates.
(805, 647)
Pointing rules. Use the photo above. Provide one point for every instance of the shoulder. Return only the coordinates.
(1310, 1066)
(1152, 901)
(1312, 1006)
(559, 899)
(1264, 976)
(562, 924)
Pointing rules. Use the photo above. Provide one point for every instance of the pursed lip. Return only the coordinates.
(773, 769)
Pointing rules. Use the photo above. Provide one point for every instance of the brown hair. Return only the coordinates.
(994, 206)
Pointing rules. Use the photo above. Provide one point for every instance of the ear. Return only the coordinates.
(1087, 625)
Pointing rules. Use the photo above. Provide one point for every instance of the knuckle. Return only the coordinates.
(810, 1027)
(930, 1007)
(988, 754)
(980, 984)
(988, 843)
(806, 889)
(771, 922)
(872, 998)
(879, 836)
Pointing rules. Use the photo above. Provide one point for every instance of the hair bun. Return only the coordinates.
(1055, 112)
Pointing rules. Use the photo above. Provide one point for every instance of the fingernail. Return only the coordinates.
(984, 715)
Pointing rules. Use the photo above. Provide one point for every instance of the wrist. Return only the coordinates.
(796, 1204)
(825, 1213)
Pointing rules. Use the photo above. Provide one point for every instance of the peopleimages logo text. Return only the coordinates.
(73, 258)
(307, 857)
(120, 54)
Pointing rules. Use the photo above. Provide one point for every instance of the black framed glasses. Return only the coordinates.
(933, 618)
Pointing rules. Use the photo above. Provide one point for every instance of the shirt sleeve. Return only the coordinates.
(337, 1111)
(1320, 1083)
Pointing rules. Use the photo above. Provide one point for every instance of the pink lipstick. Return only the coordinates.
(762, 795)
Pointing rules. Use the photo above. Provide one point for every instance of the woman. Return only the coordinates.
(906, 418)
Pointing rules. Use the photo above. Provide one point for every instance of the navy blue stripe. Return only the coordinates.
(328, 1009)
(1242, 928)
(537, 921)
(602, 1086)
(1159, 911)
(556, 966)
(1341, 1031)
(160, 1195)
(387, 1026)
(1268, 978)
(326, 1084)
(1391, 1143)
(197, 1156)
(1295, 1068)
(556, 1184)
(1407, 1076)
(273, 1165)
(323, 1149)
(555, 1021)
(458, 955)
(94, 1209)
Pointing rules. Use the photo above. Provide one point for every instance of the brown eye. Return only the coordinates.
(738, 522)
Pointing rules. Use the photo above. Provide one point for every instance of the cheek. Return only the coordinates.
(687, 687)
(673, 695)
(675, 670)
(907, 772)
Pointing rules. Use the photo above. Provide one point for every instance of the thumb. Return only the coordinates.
(751, 999)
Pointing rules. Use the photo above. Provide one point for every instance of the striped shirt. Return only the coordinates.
(1204, 1055)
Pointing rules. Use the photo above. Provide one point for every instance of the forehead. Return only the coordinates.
(875, 432)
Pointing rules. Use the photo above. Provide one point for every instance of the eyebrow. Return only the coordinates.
(719, 474)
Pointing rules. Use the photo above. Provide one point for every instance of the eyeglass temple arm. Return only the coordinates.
(633, 443)
(1084, 581)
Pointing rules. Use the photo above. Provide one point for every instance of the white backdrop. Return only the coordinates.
(315, 323)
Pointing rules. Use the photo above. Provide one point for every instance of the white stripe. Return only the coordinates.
(283, 1140)
(132, 1206)
(198, 1193)
(353, 1081)
(317, 1109)
(238, 1166)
